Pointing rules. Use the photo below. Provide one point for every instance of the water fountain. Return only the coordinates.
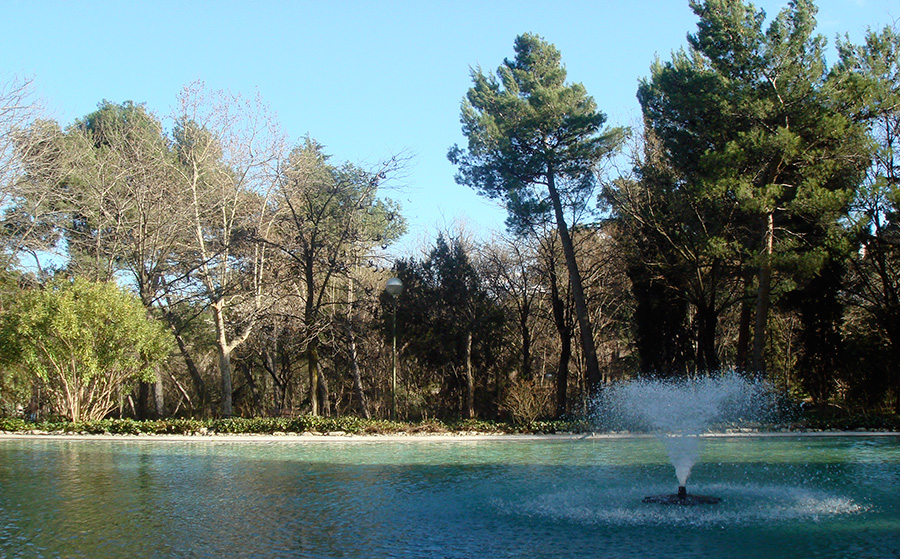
(679, 412)
(784, 495)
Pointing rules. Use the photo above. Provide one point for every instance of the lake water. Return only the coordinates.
(806, 496)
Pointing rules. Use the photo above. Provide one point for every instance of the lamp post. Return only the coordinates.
(394, 287)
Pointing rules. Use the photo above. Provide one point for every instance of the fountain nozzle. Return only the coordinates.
(682, 498)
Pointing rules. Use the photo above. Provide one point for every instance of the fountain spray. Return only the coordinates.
(678, 412)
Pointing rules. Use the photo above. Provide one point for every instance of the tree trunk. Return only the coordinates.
(159, 395)
(743, 342)
(324, 400)
(526, 345)
(354, 358)
(592, 366)
(196, 377)
(224, 349)
(309, 316)
(707, 322)
(150, 399)
(891, 326)
(562, 372)
(286, 366)
(312, 363)
(355, 374)
(225, 369)
(142, 396)
(279, 390)
(470, 380)
(763, 296)
(255, 392)
(565, 344)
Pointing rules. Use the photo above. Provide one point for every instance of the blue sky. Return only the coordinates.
(367, 79)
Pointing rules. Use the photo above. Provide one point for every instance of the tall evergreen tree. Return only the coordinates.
(746, 117)
(868, 76)
(679, 240)
(451, 324)
(534, 142)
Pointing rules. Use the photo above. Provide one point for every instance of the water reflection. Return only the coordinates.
(782, 498)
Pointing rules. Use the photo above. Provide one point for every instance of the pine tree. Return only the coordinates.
(534, 142)
(747, 117)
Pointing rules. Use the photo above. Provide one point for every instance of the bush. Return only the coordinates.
(70, 335)
(14, 424)
(302, 424)
(527, 401)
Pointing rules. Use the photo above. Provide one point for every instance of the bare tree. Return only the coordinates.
(510, 266)
(19, 110)
(227, 149)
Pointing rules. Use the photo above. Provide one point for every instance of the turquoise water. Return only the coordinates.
(782, 497)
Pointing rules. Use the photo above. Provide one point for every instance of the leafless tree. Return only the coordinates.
(19, 110)
(227, 149)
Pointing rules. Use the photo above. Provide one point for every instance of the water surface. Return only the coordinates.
(782, 497)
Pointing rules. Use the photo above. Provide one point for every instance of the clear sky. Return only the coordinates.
(367, 79)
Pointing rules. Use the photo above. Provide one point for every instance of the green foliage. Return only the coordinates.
(14, 424)
(217, 229)
(249, 425)
(15, 389)
(108, 169)
(335, 206)
(536, 143)
(84, 341)
(445, 304)
(746, 141)
(305, 424)
(525, 125)
(869, 79)
(814, 418)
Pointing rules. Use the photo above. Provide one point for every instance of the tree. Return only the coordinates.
(535, 142)
(106, 187)
(680, 242)
(868, 75)
(18, 112)
(747, 119)
(510, 269)
(328, 219)
(85, 341)
(451, 325)
(560, 295)
(127, 213)
(226, 148)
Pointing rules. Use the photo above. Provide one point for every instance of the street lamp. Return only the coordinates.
(394, 287)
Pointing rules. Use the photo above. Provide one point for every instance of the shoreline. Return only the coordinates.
(341, 437)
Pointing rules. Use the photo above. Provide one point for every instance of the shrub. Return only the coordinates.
(84, 341)
(526, 401)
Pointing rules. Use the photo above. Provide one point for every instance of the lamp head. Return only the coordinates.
(394, 286)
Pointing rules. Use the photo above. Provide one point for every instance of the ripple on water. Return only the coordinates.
(742, 505)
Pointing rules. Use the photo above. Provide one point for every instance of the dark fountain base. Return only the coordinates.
(682, 498)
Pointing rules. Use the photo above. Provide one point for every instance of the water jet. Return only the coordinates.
(678, 412)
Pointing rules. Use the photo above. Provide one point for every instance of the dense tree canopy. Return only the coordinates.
(749, 167)
(756, 229)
